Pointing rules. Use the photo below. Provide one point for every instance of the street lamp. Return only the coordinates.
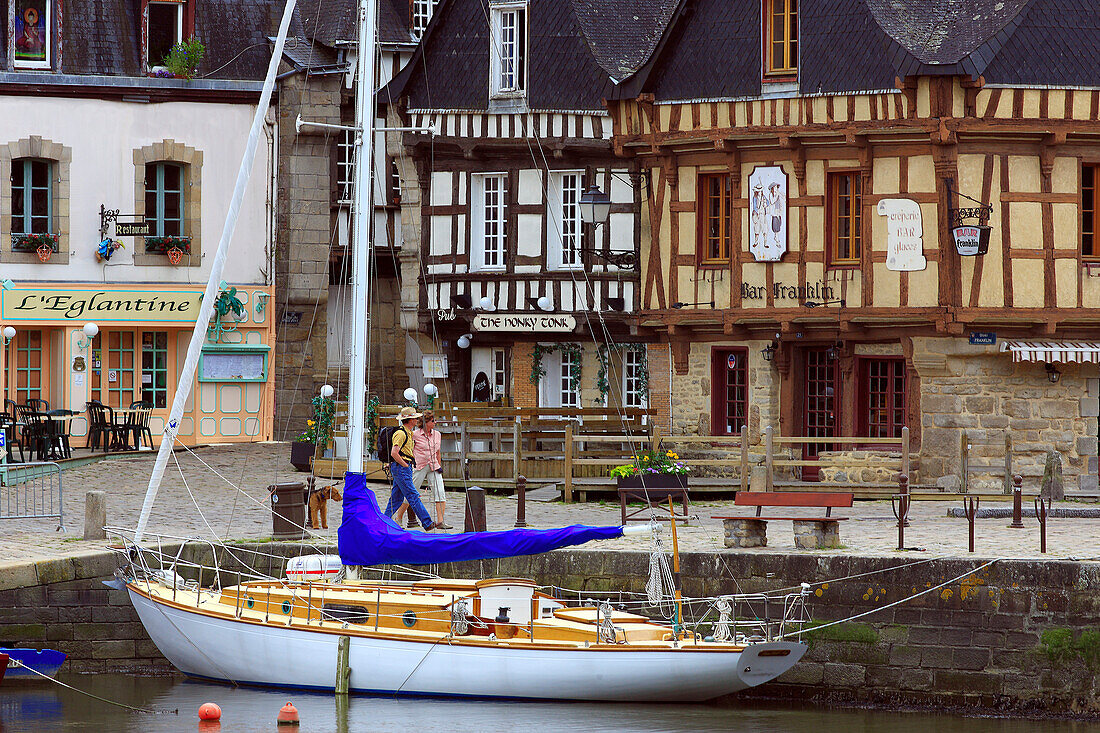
(90, 332)
(595, 206)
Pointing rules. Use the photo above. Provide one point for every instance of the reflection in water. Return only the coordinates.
(245, 710)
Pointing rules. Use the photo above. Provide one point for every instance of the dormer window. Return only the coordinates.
(508, 60)
(422, 11)
(781, 37)
(165, 23)
(32, 40)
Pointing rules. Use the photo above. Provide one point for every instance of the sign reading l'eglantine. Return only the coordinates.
(100, 305)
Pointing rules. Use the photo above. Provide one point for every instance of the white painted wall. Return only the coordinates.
(103, 135)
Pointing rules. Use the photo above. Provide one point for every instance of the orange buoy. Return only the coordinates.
(288, 715)
(209, 711)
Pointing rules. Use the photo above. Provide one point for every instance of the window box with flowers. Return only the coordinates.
(172, 246)
(654, 469)
(41, 242)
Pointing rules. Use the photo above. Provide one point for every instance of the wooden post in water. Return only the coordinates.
(569, 462)
(343, 670)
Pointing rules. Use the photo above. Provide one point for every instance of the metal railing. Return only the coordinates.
(31, 491)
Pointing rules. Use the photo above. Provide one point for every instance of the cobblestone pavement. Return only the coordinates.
(209, 475)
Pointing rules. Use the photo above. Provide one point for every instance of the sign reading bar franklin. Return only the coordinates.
(100, 305)
(542, 323)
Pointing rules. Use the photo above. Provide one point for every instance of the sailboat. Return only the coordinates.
(493, 638)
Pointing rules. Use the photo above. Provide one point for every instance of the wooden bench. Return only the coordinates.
(653, 498)
(810, 533)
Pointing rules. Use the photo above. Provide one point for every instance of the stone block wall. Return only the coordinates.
(303, 236)
(977, 391)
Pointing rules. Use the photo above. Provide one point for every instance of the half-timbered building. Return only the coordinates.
(517, 299)
(856, 220)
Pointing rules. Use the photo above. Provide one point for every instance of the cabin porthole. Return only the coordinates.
(286, 607)
(409, 619)
(249, 602)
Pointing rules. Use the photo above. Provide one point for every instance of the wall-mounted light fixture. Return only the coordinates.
(595, 206)
(327, 391)
(486, 304)
(9, 334)
(462, 300)
(1052, 372)
(464, 340)
(90, 332)
(833, 352)
(616, 303)
(768, 352)
(543, 303)
(261, 302)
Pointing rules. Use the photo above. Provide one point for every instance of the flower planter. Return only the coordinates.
(653, 481)
(300, 453)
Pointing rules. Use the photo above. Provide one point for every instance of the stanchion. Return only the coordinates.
(970, 506)
(900, 504)
(521, 501)
(1017, 502)
(1041, 515)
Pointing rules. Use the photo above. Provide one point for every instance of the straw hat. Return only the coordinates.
(408, 413)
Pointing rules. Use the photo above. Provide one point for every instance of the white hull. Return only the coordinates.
(266, 654)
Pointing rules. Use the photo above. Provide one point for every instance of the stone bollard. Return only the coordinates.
(95, 515)
(1052, 486)
(1017, 502)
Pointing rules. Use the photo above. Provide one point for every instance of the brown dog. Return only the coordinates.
(318, 505)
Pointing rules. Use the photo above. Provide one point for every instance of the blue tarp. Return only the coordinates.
(367, 537)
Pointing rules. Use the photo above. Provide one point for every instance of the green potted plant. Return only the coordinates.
(183, 59)
(318, 432)
(656, 469)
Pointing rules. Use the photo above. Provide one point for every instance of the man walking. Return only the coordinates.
(401, 467)
(427, 442)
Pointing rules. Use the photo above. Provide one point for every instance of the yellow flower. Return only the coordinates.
(645, 459)
(310, 423)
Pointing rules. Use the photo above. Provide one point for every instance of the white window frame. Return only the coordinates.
(509, 56)
(633, 395)
(48, 63)
(179, 24)
(565, 233)
(488, 221)
(422, 12)
(570, 398)
(345, 166)
(498, 363)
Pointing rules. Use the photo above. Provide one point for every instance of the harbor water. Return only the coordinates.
(171, 705)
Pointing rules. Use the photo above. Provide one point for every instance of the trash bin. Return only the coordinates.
(475, 509)
(288, 511)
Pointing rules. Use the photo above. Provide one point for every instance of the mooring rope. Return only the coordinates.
(895, 603)
(17, 663)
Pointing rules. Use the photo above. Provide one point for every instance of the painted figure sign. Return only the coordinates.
(904, 235)
(768, 213)
(31, 36)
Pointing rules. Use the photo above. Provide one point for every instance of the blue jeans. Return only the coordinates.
(403, 490)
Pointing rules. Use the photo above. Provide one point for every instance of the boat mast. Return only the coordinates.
(217, 265)
(363, 210)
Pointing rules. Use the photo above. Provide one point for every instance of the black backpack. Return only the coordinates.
(385, 443)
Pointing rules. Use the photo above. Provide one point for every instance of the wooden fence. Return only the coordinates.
(575, 449)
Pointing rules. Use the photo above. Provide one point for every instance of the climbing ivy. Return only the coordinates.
(571, 349)
(372, 422)
(603, 354)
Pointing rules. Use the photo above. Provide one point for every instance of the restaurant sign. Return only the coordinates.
(971, 240)
(132, 228)
(99, 305)
(545, 323)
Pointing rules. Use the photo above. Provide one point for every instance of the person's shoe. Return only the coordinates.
(445, 526)
(433, 525)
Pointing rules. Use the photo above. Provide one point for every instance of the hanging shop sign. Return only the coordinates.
(971, 240)
(104, 305)
(904, 235)
(768, 213)
(131, 228)
(546, 323)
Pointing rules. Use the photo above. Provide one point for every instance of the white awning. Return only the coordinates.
(1053, 351)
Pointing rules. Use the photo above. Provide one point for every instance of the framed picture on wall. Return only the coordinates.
(768, 213)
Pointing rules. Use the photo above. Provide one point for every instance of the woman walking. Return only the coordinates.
(429, 467)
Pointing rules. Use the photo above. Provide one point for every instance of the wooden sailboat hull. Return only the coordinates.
(217, 647)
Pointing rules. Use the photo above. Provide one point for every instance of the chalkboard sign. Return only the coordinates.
(233, 365)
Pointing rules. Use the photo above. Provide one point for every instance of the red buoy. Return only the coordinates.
(209, 711)
(288, 715)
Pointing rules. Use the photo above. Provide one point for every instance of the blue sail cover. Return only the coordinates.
(367, 537)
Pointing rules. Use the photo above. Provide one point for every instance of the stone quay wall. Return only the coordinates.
(1021, 636)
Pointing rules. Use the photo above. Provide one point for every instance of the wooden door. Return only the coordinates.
(729, 391)
(31, 366)
(114, 368)
(820, 400)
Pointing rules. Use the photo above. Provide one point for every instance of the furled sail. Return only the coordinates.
(367, 537)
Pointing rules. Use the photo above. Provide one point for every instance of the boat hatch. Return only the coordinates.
(350, 614)
(773, 652)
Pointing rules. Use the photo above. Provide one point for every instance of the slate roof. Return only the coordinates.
(335, 22)
(577, 47)
(712, 48)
